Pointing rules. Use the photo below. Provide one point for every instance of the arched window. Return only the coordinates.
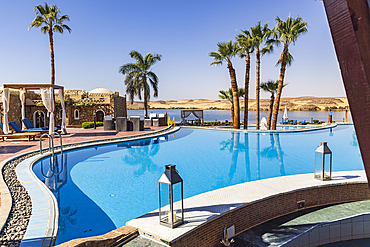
(77, 114)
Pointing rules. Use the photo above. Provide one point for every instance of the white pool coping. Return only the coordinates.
(213, 203)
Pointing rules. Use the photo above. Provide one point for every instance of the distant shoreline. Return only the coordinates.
(293, 104)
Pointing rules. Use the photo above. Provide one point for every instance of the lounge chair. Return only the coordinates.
(17, 129)
(30, 127)
(294, 122)
(285, 122)
(303, 122)
(28, 135)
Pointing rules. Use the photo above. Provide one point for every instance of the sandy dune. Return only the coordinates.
(298, 103)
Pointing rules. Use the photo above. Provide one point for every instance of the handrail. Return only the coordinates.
(51, 149)
(51, 141)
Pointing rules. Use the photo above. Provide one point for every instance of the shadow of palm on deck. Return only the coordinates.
(13, 149)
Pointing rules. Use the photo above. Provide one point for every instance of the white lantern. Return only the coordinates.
(171, 202)
(323, 162)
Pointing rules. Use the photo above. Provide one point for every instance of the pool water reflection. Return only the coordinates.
(100, 188)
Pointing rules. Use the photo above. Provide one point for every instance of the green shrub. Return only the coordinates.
(89, 125)
(315, 121)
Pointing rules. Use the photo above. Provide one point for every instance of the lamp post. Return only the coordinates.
(94, 113)
(171, 201)
(323, 162)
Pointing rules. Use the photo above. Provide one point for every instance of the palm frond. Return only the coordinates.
(289, 59)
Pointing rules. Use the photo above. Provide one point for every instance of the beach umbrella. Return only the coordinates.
(285, 116)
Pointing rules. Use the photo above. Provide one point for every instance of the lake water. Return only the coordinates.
(222, 115)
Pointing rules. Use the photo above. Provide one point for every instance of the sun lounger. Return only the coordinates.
(294, 122)
(28, 135)
(285, 122)
(23, 135)
(17, 129)
(303, 122)
(30, 127)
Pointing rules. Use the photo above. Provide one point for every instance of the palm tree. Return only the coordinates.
(47, 17)
(270, 86)
(286, 33)
(246, 48)
(228, 95)
(226, 51)
(137, 76)
(259, 35)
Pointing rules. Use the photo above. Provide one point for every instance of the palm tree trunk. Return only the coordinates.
(234, 86)
(232, 111)
(246, 86)
(145, 104)
(52, 55)
(258, 62)
(280, 87)
(270, 112)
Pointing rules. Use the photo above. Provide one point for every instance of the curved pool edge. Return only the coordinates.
(6, 198)
(298, 130)
(248, 204)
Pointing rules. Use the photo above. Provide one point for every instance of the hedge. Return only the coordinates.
(89, 125)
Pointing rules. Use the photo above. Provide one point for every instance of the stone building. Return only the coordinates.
(80, 107)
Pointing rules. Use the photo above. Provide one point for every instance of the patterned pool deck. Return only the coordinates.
(202, 208)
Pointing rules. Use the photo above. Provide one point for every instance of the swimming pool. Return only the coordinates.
(100, 188)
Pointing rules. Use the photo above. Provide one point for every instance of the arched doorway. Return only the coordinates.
(99, 116)
(38, 119)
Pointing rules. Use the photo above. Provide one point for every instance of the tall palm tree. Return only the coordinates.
(246, 48)
(270, 86)
(286, 33)
(47, 17)
(259, 36)
(228, 95)
(137, 76)
(226, 51)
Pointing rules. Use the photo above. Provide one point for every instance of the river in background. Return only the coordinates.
(222, 115)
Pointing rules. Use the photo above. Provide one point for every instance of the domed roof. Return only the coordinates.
(101, 90)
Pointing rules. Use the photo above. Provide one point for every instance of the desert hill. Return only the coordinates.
(297, 103)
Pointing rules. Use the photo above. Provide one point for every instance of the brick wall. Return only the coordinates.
(252, 214)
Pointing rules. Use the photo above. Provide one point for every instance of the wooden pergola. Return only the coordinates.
(32, 86)
(36, 87)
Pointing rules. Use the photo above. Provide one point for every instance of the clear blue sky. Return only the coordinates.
(183, 32)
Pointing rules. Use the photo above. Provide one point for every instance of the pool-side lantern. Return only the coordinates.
(323, 162)
(171, 201)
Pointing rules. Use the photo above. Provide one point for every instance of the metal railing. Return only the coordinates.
(53, 161)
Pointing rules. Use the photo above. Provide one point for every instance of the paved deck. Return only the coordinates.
(201, 208)
(13, 147)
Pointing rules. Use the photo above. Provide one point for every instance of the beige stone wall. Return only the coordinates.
(119, 106)
(112, 104)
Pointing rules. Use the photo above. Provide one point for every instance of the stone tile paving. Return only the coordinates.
(142, 242)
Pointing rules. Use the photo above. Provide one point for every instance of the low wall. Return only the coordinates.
(257, 212)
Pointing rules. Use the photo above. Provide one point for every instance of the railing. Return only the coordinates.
(53, 161)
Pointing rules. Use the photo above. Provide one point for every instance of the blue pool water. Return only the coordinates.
(100, 188)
